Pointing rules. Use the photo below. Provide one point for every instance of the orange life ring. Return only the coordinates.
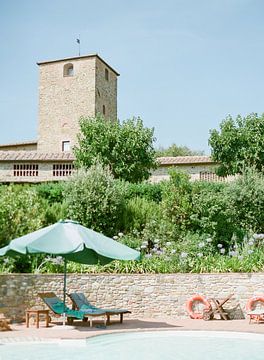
(189, 306)
(252, 301)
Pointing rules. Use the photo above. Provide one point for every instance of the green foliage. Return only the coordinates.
(179, 226)
(126, 148)
(148, 191)
(138, 212)
(54, 212)
(192, 254)
(51, 191)
(20, 212)
(213, 213)
(175, 150)
(176, 199)
(95, 199)
(246, 195)
(239, 144)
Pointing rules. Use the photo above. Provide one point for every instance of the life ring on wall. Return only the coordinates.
(252, 301)
(189, 306)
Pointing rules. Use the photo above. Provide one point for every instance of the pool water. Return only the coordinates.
(160, 345)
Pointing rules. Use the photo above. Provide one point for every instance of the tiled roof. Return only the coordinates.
(62, 156)
(21, 143)
(35, 156)
(182, 160)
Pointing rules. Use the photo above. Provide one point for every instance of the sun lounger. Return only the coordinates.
(80, 302)
(56, 305)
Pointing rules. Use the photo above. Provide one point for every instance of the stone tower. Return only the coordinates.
(68, 89)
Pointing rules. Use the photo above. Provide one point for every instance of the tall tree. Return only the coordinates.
(175, 150)
(239, 144)
(125, 147)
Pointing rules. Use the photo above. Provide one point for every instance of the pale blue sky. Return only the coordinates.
(184, 64)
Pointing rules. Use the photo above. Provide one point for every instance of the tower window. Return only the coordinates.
(66, 146)
(103, 110)
(68, 70)
(106, 74)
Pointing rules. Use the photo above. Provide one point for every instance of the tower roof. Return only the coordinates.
(77, 58)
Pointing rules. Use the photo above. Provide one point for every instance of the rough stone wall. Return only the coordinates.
(106, 91)
(149, 295)
(162, 172)
(45, 173)
(190, 169)
(63, 100)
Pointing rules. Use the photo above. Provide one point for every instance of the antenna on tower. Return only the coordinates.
(78, 40)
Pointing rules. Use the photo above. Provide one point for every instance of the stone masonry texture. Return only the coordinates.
(146, 295)
(64, 99)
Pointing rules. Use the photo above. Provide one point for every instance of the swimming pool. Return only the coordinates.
(160, 345)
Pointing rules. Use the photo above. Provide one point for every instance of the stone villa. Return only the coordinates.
(68, 89)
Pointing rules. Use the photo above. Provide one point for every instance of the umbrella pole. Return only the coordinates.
(64, 291)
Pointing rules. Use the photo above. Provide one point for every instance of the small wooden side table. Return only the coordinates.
(37, 313)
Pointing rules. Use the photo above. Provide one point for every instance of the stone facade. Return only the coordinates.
(162, 172)
(65, 97)
(105, 91)
(34, 167)
(46, 171)
(58, 166)
(150, 295)
(205, 172)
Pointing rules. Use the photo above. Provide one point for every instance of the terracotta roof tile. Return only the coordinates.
(21, 143)
(63, 156)
(182, 160)
(35, 156)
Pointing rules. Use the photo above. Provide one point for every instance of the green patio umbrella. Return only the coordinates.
(73, 242)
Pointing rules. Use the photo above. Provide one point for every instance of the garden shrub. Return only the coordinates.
(213, 213)
(148, 191)
(138, 212)
(95, 199)
(177, 199)
(20, 212)
(51, 191)
(53, 212)
(247, 197)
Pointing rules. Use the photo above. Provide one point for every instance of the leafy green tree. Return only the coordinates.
(176, 199)
(213, 213)
(246, 195)
(95, 199)
(239, 144)
(175, 150)
(126, 148)
(20, 212)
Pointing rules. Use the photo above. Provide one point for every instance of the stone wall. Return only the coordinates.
(195, 171)
(106, 91)
(45, 172)
(146, 295)
(64, 99)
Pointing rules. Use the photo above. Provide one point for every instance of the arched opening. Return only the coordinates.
(68, 70)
